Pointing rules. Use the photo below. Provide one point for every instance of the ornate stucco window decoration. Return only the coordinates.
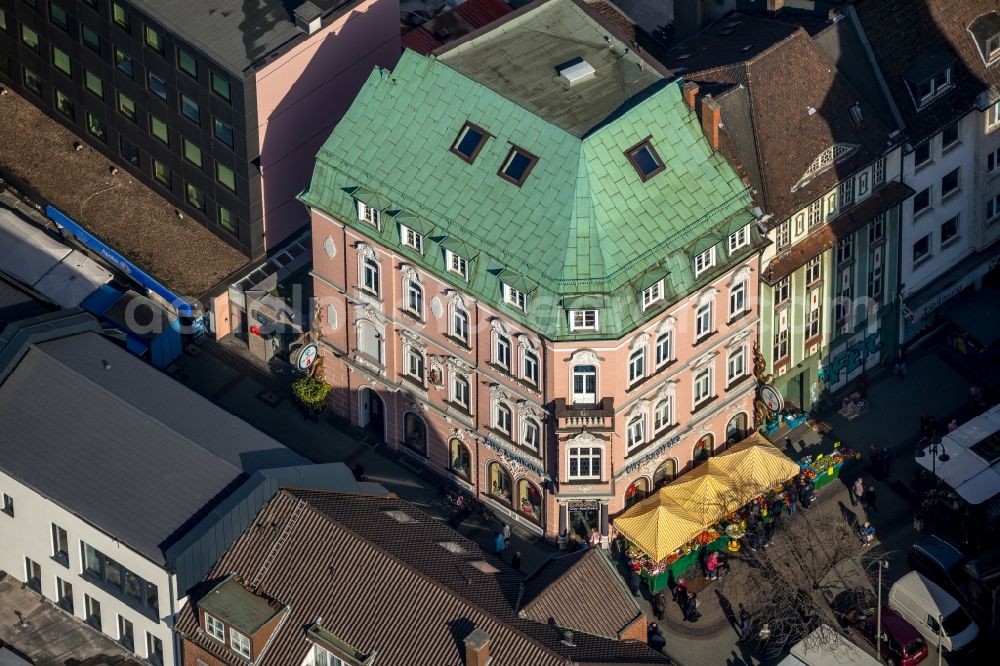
(824, 161)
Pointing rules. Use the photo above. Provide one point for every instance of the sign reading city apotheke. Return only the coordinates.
(655, 453)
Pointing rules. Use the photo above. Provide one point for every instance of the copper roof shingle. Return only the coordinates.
(388, 587)
(559, 588)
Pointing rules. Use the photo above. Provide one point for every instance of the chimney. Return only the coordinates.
(308, 17)
(690, 94)
(477, 648)
(711, 118)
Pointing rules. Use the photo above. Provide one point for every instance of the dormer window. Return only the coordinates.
(930, 88)
(644, 160)
(740, 238)
(456, 264)
(929, 75)
(517, 165)
(583, 320)
(369, 214)
(985, 30)
(411, 238)
(469, 142)
(239, 643)
(514, 297)
(325, 658)
(704, 261)
(215, 629)
(993, 48)
(652, 294)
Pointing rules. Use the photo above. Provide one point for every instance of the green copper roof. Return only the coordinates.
(583, 222)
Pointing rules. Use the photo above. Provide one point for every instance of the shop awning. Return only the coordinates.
(972, 476)
(978, 314)
(683, 509)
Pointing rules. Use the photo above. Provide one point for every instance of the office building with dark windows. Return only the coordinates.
(220, 107)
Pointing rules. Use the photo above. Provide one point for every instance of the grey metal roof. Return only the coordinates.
(122, 445)
(234, 33)
(521, 57)
(17, 304)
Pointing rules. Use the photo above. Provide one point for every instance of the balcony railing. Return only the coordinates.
(571, 418)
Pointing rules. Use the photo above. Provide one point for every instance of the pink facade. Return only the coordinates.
(394, 371)
(304, 93)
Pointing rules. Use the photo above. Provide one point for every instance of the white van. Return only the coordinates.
(827, 647)
(921, 603)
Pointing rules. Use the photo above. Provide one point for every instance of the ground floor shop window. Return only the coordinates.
(703, 449)
(636, 492)
(529, 500)
(736, 429)
(500, 483)
(460, 459)
(415, 433)
(664, 474)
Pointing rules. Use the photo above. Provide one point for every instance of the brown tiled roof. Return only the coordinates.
(799, 106)
(468, 16)
(567, 589)
(900, 31)
(827, 235)
(386, 586)
(418, 40)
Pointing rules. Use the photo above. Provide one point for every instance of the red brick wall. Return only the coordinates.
(633, 632)
(192, 653)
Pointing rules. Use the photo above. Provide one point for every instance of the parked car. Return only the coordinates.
(933, 612)
(900, 644)
(975, 582)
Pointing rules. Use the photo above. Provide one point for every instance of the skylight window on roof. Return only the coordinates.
(400, 516)
(484, 566)
(645, 160)
(517, 166)
(453, 547)
(469, 142)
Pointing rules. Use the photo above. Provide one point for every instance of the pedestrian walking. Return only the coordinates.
(655, 638)
(712, 565)
(744, 618)
(870, 498)
(659, 605)
(953, 425)
(595, 537)
(858, 492)
(500, 543)
(866, 533)
(515, 560)
(691, 613)
(506, 534)
(633, 582)
(680, 592)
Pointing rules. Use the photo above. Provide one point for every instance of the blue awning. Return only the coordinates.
(101, 300)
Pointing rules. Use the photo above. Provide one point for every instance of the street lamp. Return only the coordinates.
(882, 564)
(933, 448)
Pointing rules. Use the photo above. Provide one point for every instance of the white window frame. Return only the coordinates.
(459, 323)
(663, 414)
(993, 117)
(215, 628)
(593, 454)
(783, 234)
(703, 320)
(584, 320)
(371, 269)
(846, 194)
(240, 643)
(813, 321)
(369, 215)
(528, 427)
(992, 48)
(635, 433)
(845, 250)
(572, 379)
(652, 294)
(456, 264)
(738, 299)
(461, 390)
(935, 89)
(814, 214)
(507, 427)
(704, 261)
(740, 238)
(414, 287)
(636, 365)
(502, 351)
(411, 238)
(512, 296)
(529, 359)
(323, 657)
(739, 354)
(876, 229)
(782, 290)
(664, 348)
(702, 378)
(415, 363)
(814, 269)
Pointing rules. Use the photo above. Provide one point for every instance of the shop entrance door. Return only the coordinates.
(793, 391)
(584, 516)
(371, 413)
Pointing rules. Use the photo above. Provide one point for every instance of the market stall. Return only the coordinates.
(666, 531)
(824, 468)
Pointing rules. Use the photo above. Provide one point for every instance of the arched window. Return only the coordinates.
(460, 460)
(415, 433)
(370, 275)
(530, 367)
(585, 385)
(415, 299)
(500, 484)
(664, 474)
(736, 428)
(529, 500)
(703, 449)
(460, 391)
(636, 433)
(369, 341)
(415, 364)
(531, 434)
(459, 324)
(636, 492)
(503, 419)
(663, 415)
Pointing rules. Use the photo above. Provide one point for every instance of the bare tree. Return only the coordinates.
(790, 586)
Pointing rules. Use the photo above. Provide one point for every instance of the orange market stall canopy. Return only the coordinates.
(683, 509)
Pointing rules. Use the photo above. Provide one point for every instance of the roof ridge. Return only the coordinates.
(420, 574)
(132, 406)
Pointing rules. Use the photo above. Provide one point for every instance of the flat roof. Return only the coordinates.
(238, 607)
(234, 33)
(122, 445)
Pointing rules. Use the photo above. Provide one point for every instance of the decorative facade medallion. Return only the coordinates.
(436, 308)
(329, 247)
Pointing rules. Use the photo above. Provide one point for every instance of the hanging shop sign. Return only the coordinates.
(771, 397)
(307, 357)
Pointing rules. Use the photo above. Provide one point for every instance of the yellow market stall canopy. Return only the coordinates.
(683, 509)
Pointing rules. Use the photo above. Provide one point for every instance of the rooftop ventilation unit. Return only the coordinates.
(308, 17)
(577, 71)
